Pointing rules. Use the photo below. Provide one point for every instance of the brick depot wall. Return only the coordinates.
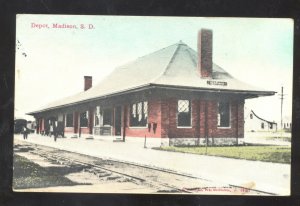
(164, 113)
(42, 125)
(165, 118)
(85, 130)
(169, 122)
(200, 126)
(236, 128)
(69, 130)
(154, 116)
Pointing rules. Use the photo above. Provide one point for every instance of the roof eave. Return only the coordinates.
(140, 88)
(254, 93)
(249, 94)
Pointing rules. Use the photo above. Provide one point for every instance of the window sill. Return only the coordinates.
(224, 127)
(83, 127)
(183, 127)
(69, 127)
(137, 127)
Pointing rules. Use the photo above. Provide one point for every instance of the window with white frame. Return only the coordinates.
(223, 114)
(139, 114)
(184, 113)
(84, 119)
(69, 120)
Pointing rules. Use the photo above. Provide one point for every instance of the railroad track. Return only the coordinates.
(60, 158)
(108, 165)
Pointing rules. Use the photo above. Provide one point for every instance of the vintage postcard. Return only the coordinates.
(129, 104)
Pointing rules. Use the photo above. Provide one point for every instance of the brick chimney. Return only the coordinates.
(88, 82)
(205, 43)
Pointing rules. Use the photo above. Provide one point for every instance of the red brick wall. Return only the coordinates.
(69, 129)
(199, 107)
(42, 126)
(202, 105)
(85, 130)
(164, 113)
(237, 121)
(173, 130)
(165, 118)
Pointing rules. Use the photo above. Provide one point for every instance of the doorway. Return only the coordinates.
(118, 115)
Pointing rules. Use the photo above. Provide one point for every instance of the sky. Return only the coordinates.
(51, 62)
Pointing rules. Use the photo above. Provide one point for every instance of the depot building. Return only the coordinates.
(175, 95)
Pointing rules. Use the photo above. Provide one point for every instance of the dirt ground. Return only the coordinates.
(46, 173)
(35, 173)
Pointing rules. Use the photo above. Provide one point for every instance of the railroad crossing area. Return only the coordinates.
(273, 178)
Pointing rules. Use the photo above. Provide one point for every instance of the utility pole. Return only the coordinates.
(281, 98)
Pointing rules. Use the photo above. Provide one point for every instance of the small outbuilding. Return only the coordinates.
(175, 95)
(255, 123)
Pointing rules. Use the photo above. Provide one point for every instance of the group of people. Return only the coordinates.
(55, 129)
(52, 130)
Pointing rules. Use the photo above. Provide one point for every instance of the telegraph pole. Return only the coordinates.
(281, 98)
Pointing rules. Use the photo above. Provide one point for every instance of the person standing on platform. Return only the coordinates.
(55, 131)
(51, 129)
(25, 132)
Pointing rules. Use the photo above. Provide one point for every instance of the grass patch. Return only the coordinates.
(276, 154)
(286, 139)
(27, 174)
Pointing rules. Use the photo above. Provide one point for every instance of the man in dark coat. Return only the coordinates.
(25, 132)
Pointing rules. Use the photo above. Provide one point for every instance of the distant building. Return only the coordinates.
(176, 95)
(287, 124)
(255, 123)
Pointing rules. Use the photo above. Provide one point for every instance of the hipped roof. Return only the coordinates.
(174, 67)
